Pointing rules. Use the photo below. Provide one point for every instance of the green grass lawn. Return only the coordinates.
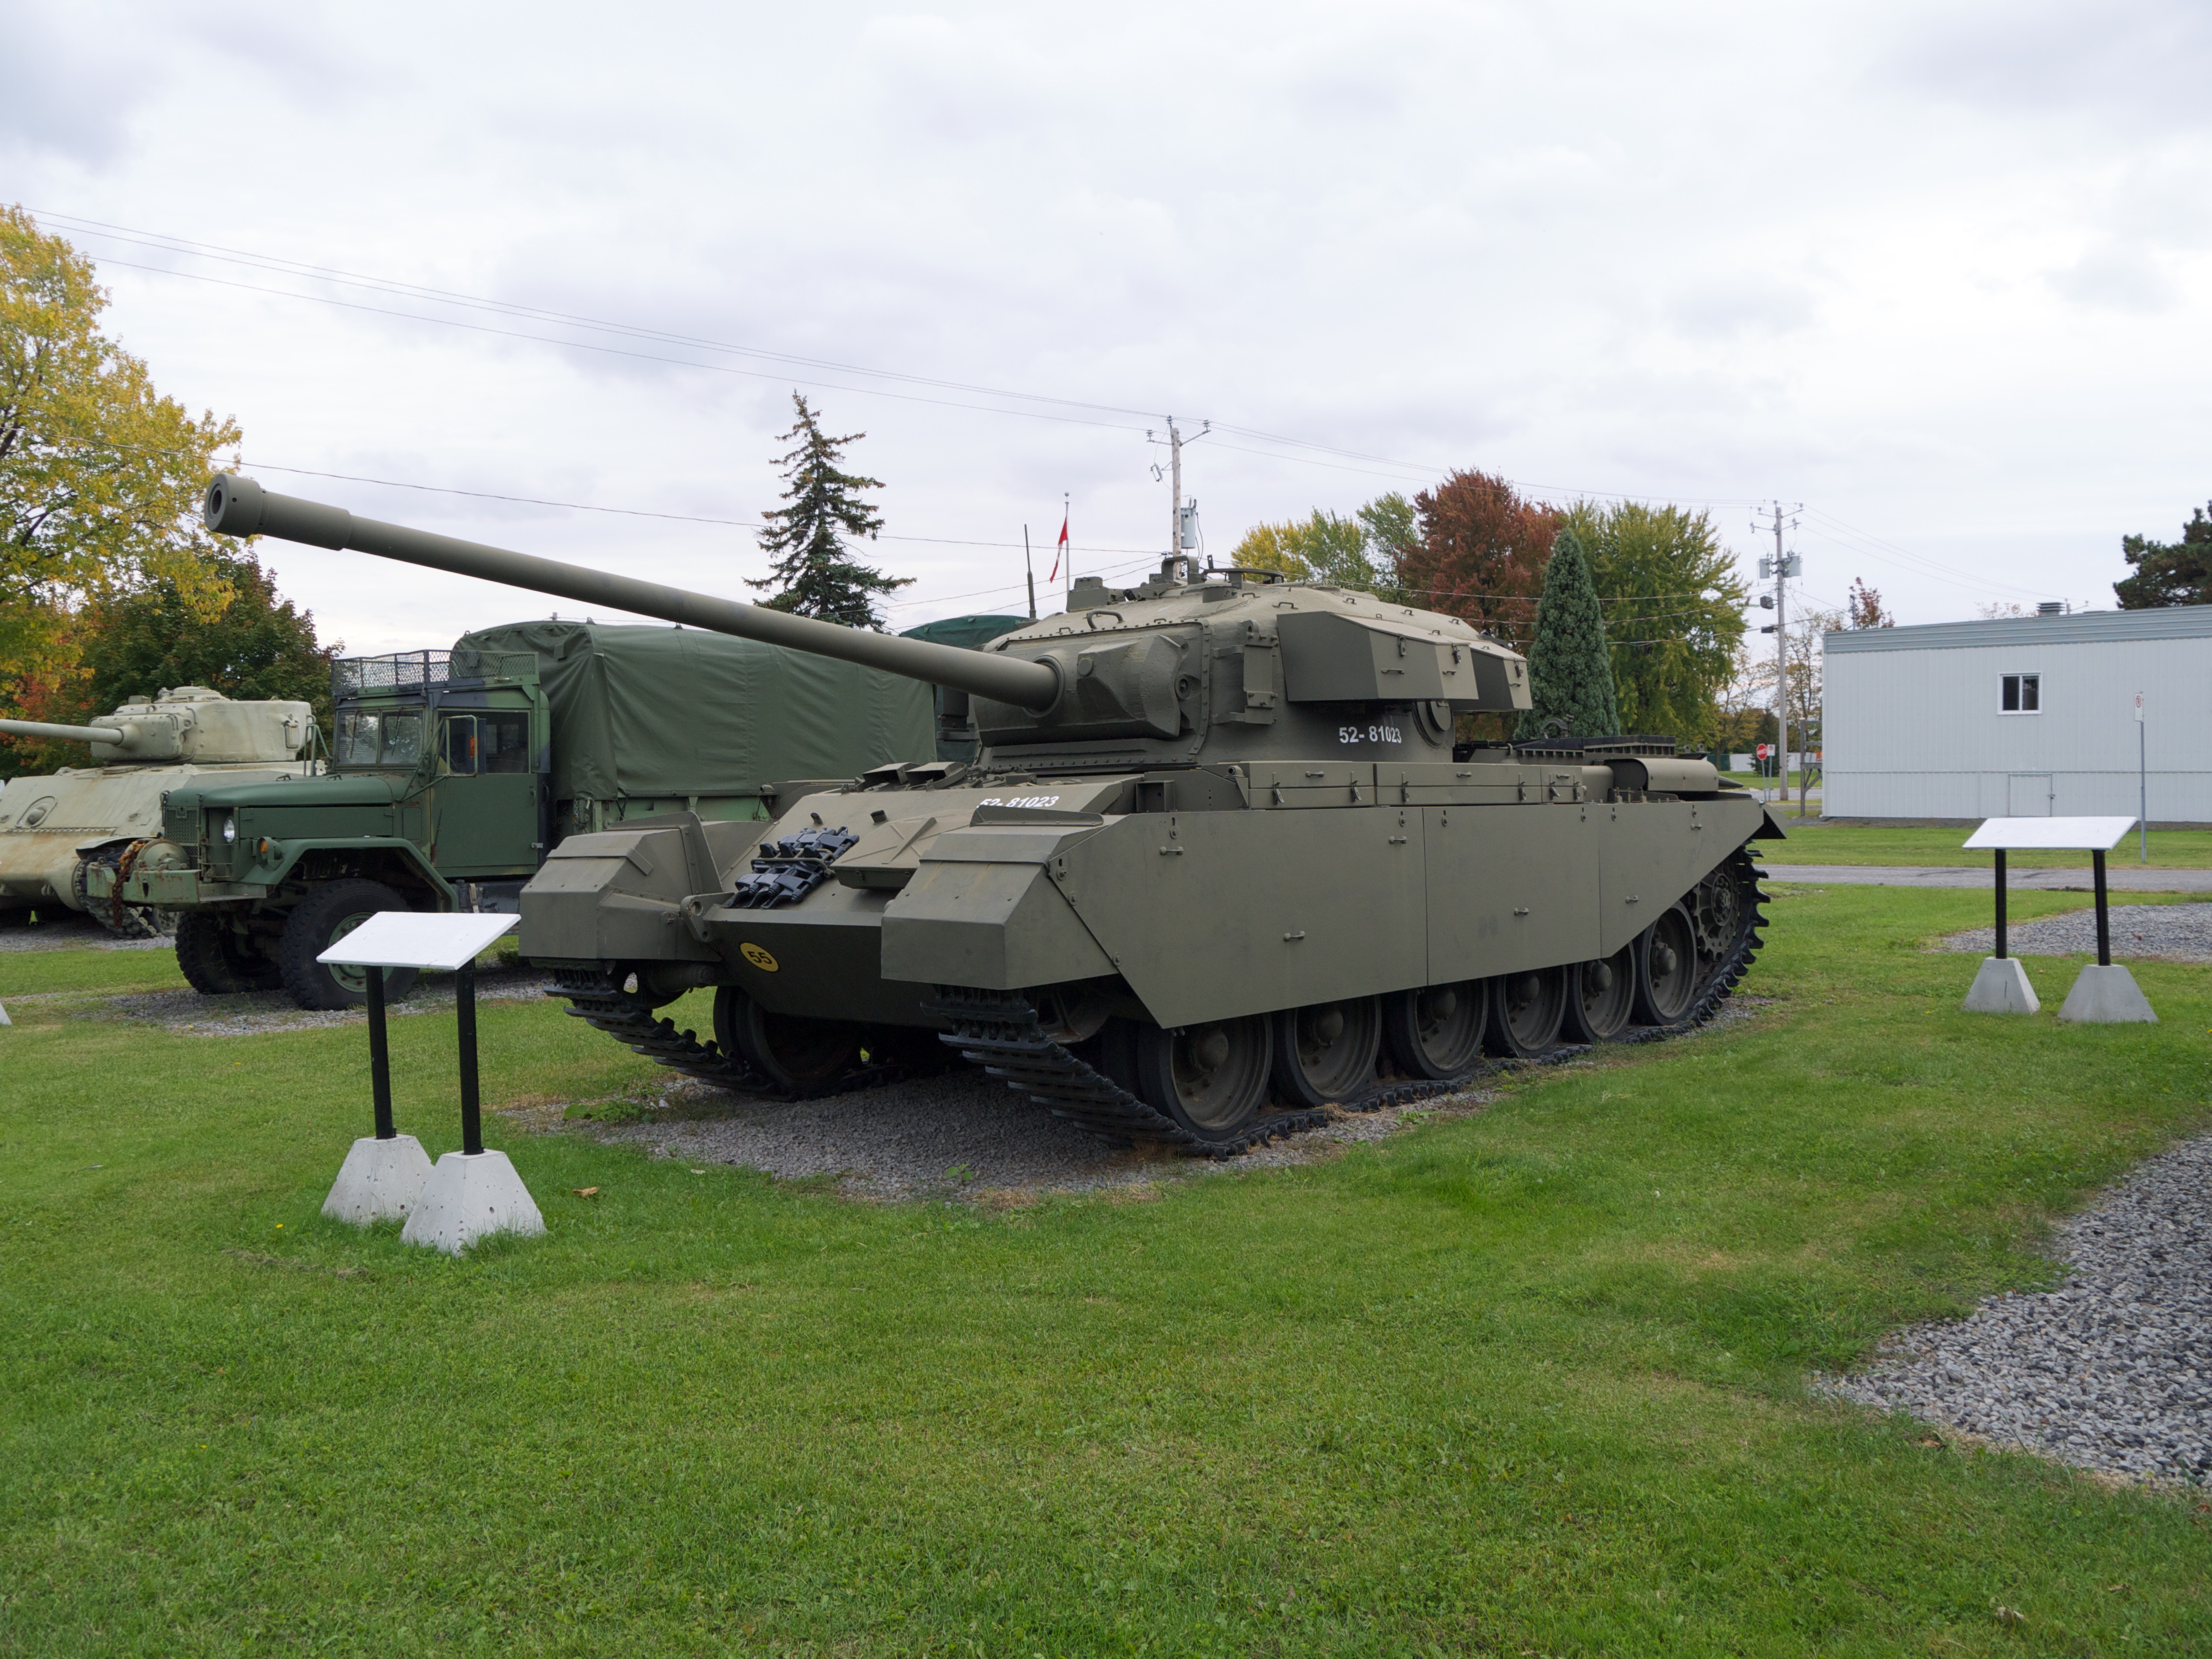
(1525, 1381)
(1815, 842)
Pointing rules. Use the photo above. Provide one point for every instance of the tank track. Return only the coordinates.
(1000, 1031)
(1721, 979)
(598, 999)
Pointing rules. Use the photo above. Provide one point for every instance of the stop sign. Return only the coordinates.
(1763, 751)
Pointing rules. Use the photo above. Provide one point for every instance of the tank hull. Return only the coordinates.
(49, 822)
(1425, 880)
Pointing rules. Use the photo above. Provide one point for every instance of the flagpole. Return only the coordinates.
(1028, 569)
(1068, 591)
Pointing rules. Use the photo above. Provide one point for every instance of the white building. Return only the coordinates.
(2020, 716)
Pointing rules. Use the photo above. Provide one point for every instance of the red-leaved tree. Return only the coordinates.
(1478, 553)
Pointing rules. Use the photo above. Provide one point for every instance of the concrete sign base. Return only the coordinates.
(2107, 996)
(379, 1181)
(472, 1196)
(2001, 987)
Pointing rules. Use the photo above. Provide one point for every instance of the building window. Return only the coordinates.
(2023, 694)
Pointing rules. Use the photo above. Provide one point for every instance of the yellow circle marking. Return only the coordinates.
(759, 958)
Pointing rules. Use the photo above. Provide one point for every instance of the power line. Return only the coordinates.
(1416, 471)
(1378, 465)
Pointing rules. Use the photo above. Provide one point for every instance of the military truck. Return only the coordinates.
(454, 773)
(61, 831)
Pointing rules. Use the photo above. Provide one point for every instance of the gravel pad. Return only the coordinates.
(73, 931)
(2178, 933)
(961, 1133)
(254, 1013)
(968, 1135)
(2113, 1369)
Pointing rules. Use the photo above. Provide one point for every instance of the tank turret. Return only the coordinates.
(1218, 870)
(55, 829)
(186, 723)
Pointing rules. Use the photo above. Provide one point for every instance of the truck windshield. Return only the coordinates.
(389, 738)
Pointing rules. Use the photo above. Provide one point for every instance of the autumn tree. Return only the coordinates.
(1673, 613)
(2169, 573)
(101, 476)
(1865, 609)
(1477, 553)
(810, 568)
(1570, 669)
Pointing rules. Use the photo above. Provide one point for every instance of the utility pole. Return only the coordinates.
(1781, 567)
(1174, 442)
(1174, 490)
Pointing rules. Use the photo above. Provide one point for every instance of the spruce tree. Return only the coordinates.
(1570, 668)
(811, 569)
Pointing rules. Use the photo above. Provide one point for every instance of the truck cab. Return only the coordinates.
(453, 773)
(435, 796)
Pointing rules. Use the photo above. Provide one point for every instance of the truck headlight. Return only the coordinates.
(229, 831)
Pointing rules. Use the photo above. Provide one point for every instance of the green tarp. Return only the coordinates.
(974, 632)
(641, 711)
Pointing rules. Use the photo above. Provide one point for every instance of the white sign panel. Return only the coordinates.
(2069, 834)
(409, 938)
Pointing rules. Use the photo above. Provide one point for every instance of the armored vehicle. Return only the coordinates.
(1218, 869)
(452, 772)
(61, 835)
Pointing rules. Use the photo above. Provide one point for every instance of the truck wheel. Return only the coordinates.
(321, 920)
(214, 961)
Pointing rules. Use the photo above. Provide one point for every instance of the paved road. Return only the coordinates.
(2128, 878)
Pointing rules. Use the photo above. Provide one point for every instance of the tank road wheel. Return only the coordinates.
(1602, 995)
(321, 920)
(804, 1056)
(1437, 1030)
(1326, 1053)
(1210, 1078)
(1529, 1010)
(1666, 968)
(216, 961)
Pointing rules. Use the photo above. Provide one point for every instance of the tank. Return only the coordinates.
(1217, 871)
(56, 828)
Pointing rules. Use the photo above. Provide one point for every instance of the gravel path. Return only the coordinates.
(2113, 1369)
(2178, 933)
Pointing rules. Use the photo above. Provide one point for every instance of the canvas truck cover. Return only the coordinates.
(644, 711)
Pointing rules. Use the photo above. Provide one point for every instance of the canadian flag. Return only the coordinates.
(1059, 550)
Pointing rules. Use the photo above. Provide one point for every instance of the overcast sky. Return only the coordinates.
(1937, 272)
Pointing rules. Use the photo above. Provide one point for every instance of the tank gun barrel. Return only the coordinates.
(239, 506)
(64, 733)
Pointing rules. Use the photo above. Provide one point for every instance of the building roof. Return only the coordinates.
(2177, 622)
